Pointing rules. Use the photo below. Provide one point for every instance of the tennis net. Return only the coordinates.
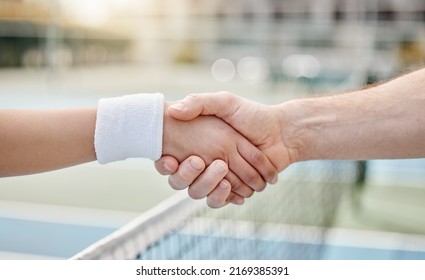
(286, 221)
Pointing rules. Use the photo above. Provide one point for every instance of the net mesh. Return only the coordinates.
(286, 221)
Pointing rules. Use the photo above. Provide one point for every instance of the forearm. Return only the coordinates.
(40, 140)
(34, 141)
(386, 121)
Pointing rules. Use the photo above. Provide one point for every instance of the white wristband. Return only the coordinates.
(129, 126)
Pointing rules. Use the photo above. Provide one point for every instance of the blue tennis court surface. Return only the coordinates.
(183, 246)
(57, 240)
(64, 240)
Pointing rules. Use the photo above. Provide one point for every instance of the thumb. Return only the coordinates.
(220, 104)
(166, 165)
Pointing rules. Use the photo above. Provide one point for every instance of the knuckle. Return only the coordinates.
(243, 191)
(261, 187)
(225, 93)
(173, 185)
(194, 194)
(257, 157)
(236, 188)
(249, 193)
(192, 97)
(255, 182)
(214, 202)
(272, 177)
(252, 178)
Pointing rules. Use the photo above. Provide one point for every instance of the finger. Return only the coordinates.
(246, 173)
(235, 199)
(239, 188)
(220, 104)
(166, 165)
(258, 160)
(187, 172)
(208, 180)
(218, 197)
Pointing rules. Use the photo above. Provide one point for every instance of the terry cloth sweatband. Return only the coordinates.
(129, 127)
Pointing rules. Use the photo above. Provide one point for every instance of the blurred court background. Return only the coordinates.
(56, 54)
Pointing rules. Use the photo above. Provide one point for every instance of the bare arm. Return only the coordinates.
(34, 141)
(385, 121)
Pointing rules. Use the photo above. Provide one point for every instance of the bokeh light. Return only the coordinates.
(301, 66)
(253, 68)
(223, 70)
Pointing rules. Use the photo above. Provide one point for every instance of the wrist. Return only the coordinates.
(167, 139)
(331, 127)
(295, 128)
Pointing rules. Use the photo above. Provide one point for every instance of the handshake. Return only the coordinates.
(244, 144)
(227, 147)
(218, 145)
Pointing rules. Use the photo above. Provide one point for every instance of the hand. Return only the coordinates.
(187, 173)
(259, 123)
(211, 138)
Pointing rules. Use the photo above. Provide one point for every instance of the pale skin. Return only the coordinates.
(35, 141)
(386, 121)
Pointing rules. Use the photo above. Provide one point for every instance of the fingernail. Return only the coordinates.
(223, 185)
(274, 180)
(178, 106)
(167, 167)
(221, 167)
(196, 163)
(238, 201)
